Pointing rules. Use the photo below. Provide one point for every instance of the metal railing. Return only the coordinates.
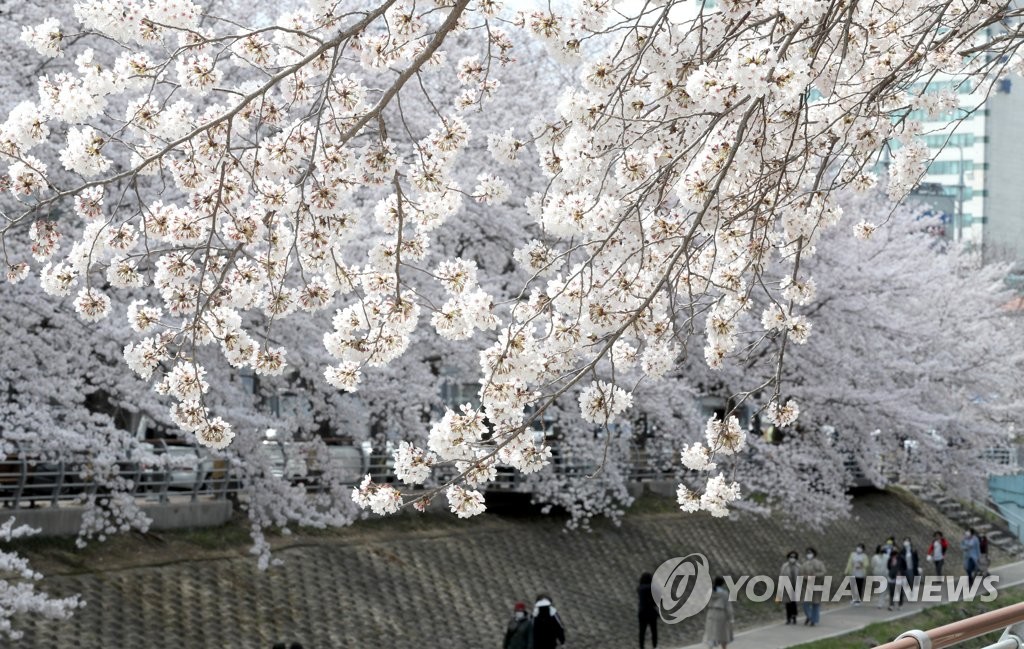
(27, 480)
(1009, 619)
(164, 472)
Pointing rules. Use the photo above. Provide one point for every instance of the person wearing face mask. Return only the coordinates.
(857, 567)
(648, 613)
(910, 558)
(972, 554)
(890, 545)
(880, 568)
(789, 572)
(519, 634)
(898, 575)
(937, 551)
(812, 568)
(719, 621)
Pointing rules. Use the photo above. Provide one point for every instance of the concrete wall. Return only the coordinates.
(1004, 183)
(665, 488)
(66, 520)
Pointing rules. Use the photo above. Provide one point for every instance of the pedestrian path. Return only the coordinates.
(840, 620)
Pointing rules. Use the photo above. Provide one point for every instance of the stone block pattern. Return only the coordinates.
(453, 587)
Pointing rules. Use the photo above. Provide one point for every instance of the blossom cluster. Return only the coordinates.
(273, 176)
(20, 595)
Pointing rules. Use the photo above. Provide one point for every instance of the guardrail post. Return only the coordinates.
(58, 484)
(197, 483)
(22, 480)
(136, 475)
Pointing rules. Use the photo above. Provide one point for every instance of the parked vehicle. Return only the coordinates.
(289, 461)
(185, 467)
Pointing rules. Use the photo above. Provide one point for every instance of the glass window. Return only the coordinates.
(954, 191)
(921, 115)
(950, 167)
(955, 140)
(962, 86)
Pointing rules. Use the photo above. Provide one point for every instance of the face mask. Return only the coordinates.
(860, 549)
(792, 559)
(810, 555)
(906, 544)
(520, 615)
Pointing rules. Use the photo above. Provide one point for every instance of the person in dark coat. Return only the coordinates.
(548, 631)
(790, 571)
(519, 634)
(910, 557)
(983, 560)
(647, 610)
(897, 577)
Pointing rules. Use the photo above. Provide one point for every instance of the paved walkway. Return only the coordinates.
(841, 620)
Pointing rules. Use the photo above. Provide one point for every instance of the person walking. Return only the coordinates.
(913, 565)
(719, 622)
(897, 565)
(971, 547)
(790, 572)
(648, 612)
(812, 570)
(937, 551)
(857, 567)
(548, 630)
(519, 633)
(889, 546)
(880, 568)
(983, 561)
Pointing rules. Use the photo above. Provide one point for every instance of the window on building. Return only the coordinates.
(961, 86)
(950, 167)
(921, 115)
(950, 140)
(969, 192)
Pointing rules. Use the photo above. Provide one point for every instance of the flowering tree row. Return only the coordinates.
(696, 147)
(231, 182)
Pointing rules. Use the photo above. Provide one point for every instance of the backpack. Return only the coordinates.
(945, 544)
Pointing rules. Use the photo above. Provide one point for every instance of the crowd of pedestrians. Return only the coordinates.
(900, 566)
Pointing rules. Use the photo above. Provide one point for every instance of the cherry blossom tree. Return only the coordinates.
(232, 185)
(255, 175)
(914, 370)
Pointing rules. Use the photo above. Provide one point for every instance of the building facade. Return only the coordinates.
(978, 167)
